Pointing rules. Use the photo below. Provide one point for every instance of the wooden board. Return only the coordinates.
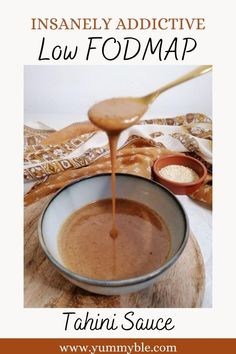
(181, 286)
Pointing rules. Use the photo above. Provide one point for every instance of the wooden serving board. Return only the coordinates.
(181, 286)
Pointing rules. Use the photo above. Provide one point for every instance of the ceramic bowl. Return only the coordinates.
(87, 190)
(176, 187)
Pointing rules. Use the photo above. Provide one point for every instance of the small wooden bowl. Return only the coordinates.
(183, 160)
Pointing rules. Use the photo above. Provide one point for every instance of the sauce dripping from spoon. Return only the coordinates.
(113, 116)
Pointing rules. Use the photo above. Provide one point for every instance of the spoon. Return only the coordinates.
(200, 70)
(117, 114)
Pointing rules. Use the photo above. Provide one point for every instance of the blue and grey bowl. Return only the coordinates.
(87, 190)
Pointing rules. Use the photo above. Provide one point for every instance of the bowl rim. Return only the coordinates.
(180, 184)
(122, 282)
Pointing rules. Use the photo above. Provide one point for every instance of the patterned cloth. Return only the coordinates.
(53, 159)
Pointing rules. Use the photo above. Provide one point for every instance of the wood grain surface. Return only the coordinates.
(181, 286)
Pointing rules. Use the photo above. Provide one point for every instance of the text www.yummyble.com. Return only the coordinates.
(127, 349)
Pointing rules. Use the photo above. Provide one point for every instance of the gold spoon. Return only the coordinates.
(200, 70)
(117, 114)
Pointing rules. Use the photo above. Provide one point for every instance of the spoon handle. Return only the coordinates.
(189, 76)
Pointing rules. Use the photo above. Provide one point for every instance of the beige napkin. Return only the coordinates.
(53, 159)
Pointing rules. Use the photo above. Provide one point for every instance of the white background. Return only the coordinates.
(60, 95)
(20, 46)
